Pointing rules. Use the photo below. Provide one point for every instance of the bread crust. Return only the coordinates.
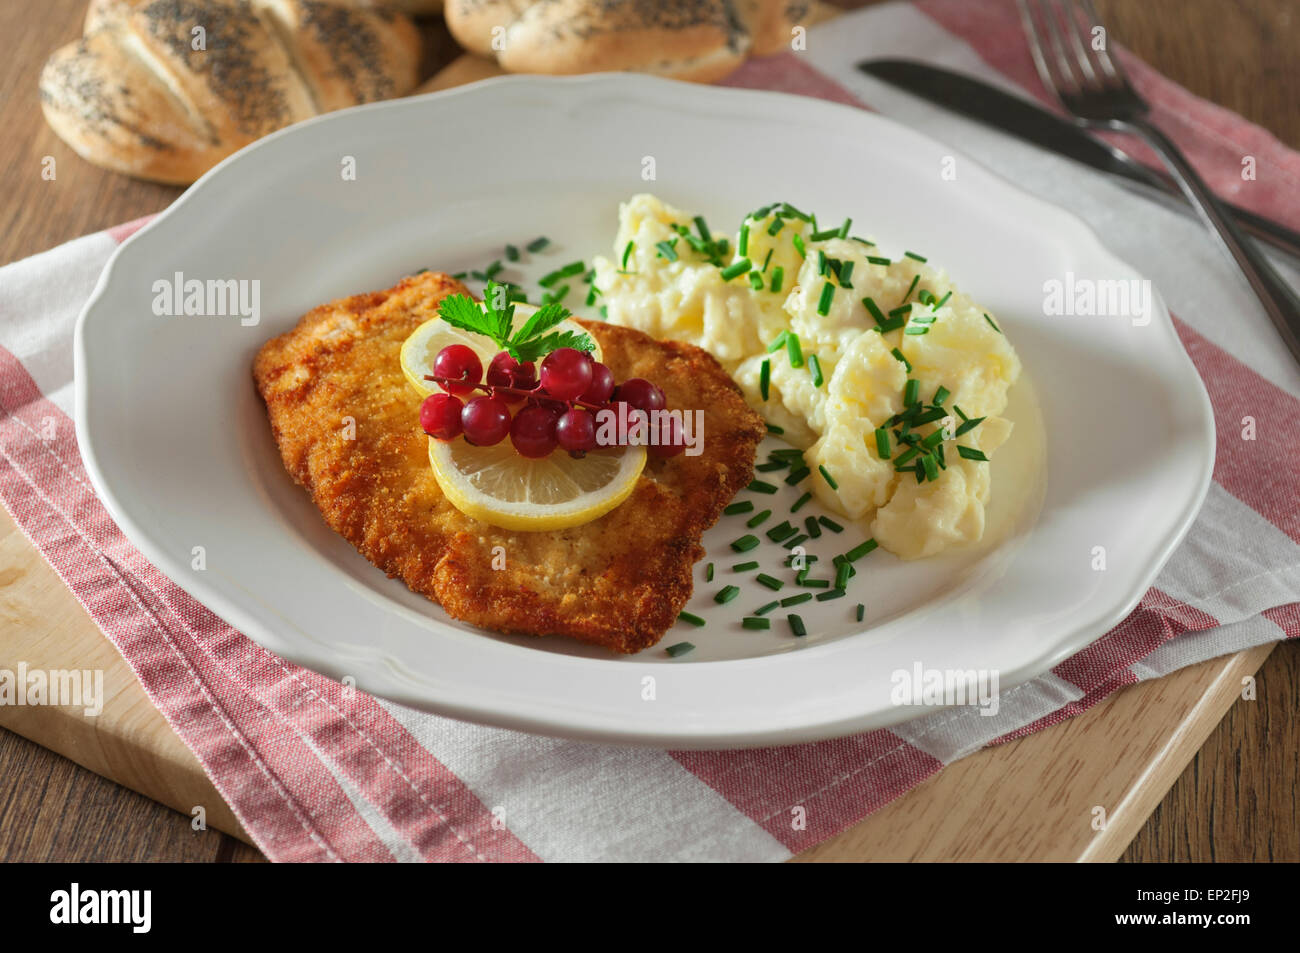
(136, 96)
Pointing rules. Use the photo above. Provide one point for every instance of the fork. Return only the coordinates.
(1095, 90)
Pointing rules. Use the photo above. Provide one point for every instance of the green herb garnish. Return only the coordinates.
(531, 342)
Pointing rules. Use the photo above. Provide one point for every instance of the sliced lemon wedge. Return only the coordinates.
(496, 485)
(420, 349)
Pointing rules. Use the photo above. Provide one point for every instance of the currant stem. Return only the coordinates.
(516, 392)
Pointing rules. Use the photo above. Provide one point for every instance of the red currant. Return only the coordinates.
(504, 371)
(533, 431)
(602, 384)
(641, 394)
(459, 363)
(566, 373)
(486, 421)
(575, 431)
(440, 416)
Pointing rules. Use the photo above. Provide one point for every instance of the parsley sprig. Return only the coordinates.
(533, 340)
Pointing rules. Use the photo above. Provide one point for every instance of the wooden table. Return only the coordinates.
(1231, 763)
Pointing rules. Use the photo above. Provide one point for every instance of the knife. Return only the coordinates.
(976, 99)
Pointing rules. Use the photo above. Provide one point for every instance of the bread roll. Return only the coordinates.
(771, 23)
(700, 40)
(136, 96)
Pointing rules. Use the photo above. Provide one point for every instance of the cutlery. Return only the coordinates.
(1094, 88)
(998, 109)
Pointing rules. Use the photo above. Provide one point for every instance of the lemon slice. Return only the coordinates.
(496, 485)
(419, 350)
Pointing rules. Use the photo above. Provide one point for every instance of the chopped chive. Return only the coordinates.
(794, 350)
(830, 524)
(591, 295)
(874, 310)
(912, 286)
(795, 541)
(799, 503)
(829, 479)
(459, 276)
(942, 301)
(742, 246)
(776, 226)
(758, 518)
(808, 558)
(862, 611)
(753, 622)
(703, 228)
(745, 543)
(744, 506)
(824, 303)
(799, 245)
(765, 378)
(970, 453)
(925, 296)
(860, 550)
(940, 395)
(782, 531)
(568, 271)
(681, 648)
(878, 260)
(814, 527)
(882, 443)
(765, 609)
(627, 253)
(797, 599)
(512, 253)
(759, 486)
(842, 574)
(726, 594)
(845, 273)
(778, 278)
(767, 260)
(690, 617)
(830, 594)
(802, 575)
(796, 625)
(991, 324)
(771, 466)
(967, 425)
(911, 390)
(708, 573)
(815, 367)
(814, 583)
(667, 249)
(537, 244)
(778, 342)
(797, 476)
(912, 254)
(825, 234)
(901, 311)
(770, 581)
(931, 466)
(737, 269)
(844, 229)
(756, 281)
(898, 355)
(745, 567)
(773, 428)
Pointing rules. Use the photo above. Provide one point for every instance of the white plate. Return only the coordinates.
(178, 446)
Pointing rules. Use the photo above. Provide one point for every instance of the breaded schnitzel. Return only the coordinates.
(618, 581)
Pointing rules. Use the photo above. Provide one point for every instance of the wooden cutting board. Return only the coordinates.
(1031, 799)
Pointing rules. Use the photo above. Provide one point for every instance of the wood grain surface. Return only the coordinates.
(1032, 799)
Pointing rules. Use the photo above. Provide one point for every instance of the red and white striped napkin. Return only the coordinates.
(317, 774)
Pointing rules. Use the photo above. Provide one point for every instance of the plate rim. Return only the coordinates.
(568, 723)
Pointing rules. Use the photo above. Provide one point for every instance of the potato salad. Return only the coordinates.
(890, 379)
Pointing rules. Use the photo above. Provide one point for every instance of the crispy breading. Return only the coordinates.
(618, 581)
